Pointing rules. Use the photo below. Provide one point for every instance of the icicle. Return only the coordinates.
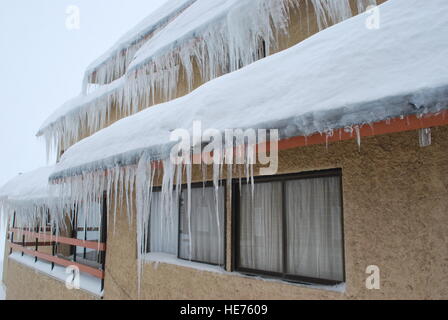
(224, 46)
(358, 137)
(189, 178)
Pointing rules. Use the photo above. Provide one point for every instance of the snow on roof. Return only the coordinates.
(231, 29)
(85, 112)
(29, 198)
(221, 36)
(230, 16)
(28, 186)
(112, 64)
(346, 75)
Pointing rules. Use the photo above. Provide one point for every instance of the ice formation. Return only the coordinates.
(215, 35)
(83, 115)
(342, 78)
(28, 199)
(112, 65)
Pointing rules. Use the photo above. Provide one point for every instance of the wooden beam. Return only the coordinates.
(74, 242)
(59, 261)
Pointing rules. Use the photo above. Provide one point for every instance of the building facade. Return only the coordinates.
(355, 212)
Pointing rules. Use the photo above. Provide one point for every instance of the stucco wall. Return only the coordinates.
(24, 283)
(395, 217)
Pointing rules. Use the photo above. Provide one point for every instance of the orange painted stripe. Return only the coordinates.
(396, 125)
(65, 263)
(408, 123)
(32, 244)
(74, 242)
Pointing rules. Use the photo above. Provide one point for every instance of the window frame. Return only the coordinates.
(236, 227)
(198, 185)
(184, 187)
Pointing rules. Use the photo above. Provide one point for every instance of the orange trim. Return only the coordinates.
(32, 244)
(407, 123)
(65, 263)
(396, 125)
(74, 242)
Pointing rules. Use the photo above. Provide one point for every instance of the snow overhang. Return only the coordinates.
(216, 34)
(345, 76)
(113, 63)
(29, 197)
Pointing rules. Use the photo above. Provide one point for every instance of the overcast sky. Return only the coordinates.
(42, 64)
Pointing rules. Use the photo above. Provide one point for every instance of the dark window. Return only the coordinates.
(291, 227)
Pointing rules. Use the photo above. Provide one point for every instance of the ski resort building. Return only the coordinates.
(312, 161)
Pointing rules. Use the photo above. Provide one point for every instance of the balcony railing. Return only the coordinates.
(46, 240)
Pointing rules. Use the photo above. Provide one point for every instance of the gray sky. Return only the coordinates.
(42, 64)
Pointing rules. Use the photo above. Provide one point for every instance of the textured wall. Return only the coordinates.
(395, 217)
(24, 283)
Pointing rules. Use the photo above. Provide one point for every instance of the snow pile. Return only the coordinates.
(219, 36)
(343, 77)
(29, 197)
(112, 65)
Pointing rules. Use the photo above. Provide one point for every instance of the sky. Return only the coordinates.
(42, 63)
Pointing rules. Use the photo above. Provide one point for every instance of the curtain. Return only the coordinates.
(163, 224)
(207, 235)
(261, 227)
(314, 228)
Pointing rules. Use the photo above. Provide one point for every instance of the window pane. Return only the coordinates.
(314, 228)
(261, 227)
(207, 239)
(163, 224)
(88, 228)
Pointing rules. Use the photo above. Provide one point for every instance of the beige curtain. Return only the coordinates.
(163, 224)
(261, 227)
(314, 228)
(207, 226)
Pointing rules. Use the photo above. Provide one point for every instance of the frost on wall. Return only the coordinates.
(217, 36)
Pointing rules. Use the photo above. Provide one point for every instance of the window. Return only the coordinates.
(88, 228)
(206, 237)
(200, 238)
(163, 224)
(291, 227)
